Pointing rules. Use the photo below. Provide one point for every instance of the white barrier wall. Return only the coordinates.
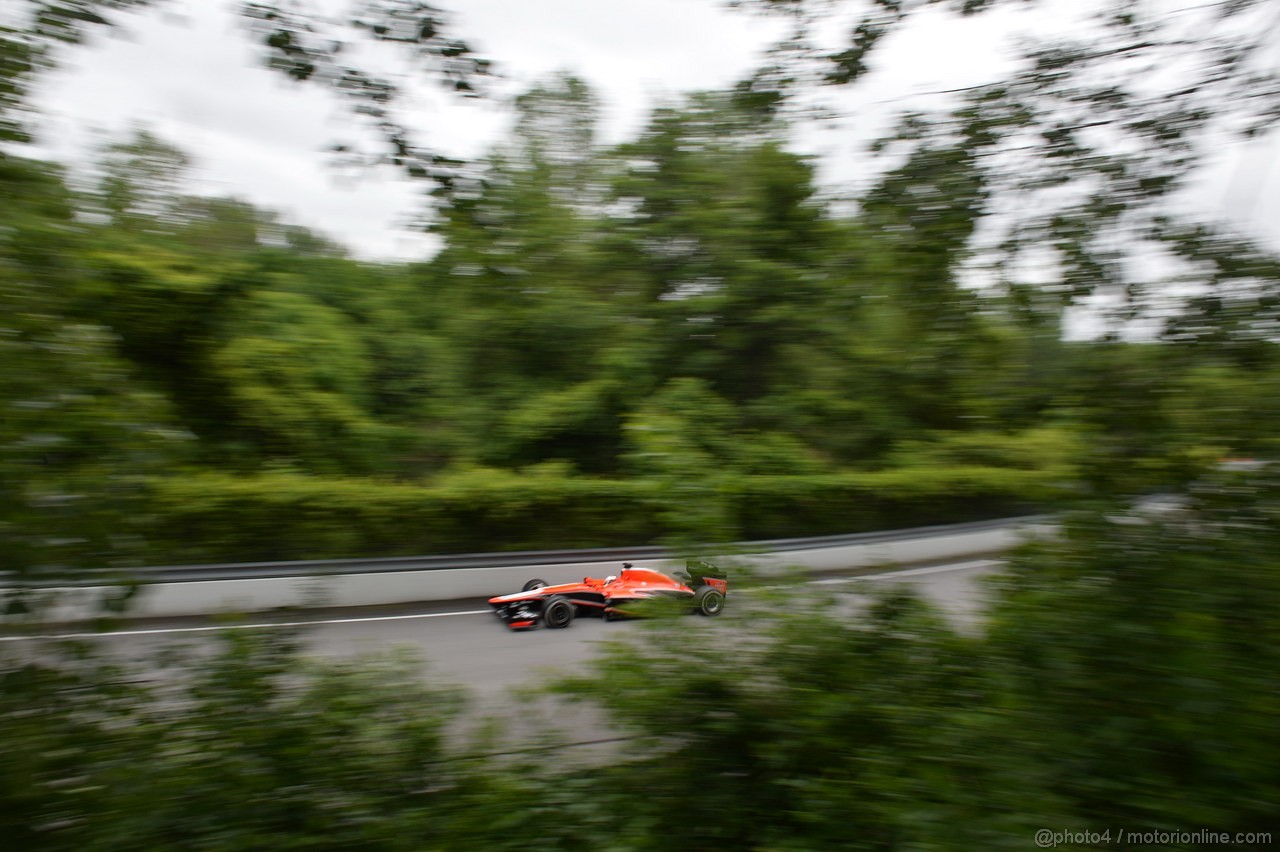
(391, 587)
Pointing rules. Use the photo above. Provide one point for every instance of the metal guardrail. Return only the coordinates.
(383, 565)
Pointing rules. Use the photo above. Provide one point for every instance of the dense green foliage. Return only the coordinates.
(718, 331)
(674, 339)
(228, 757)
(677, 337)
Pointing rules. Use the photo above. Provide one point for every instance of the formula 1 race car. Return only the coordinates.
(703, 587)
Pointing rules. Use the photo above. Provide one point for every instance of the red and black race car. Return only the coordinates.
(703, 586)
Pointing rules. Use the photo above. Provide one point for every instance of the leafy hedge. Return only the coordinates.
(218, 517)
(787, 506)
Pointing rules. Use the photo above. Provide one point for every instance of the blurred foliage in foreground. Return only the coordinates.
(1122, 676)
(1125, 677)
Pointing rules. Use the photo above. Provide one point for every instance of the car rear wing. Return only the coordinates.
(699, 573)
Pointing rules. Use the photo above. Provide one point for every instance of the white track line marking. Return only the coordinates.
(219, 627)
(912, 572)
(888, 575)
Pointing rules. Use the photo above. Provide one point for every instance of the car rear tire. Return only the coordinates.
(534, 584)
(557, 613)
(708, 601)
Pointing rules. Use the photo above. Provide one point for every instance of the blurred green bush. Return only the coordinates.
(219, 517)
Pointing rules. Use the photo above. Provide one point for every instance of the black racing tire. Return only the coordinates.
(534, 584)
(557, 612)
(708, 601)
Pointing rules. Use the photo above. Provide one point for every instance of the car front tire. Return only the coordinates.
(557, 613)
(534, 584)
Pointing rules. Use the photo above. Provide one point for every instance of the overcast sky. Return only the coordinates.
(188, 71)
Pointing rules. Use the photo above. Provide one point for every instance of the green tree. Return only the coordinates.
(719, 228)
(523, 299)
(297, 376)
(1216, 411)
(79, 435)
(1085, 151)
(141, 179)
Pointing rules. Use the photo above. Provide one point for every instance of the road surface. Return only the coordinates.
(465, 645)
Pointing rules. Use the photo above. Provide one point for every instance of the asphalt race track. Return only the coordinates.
(465, 645)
